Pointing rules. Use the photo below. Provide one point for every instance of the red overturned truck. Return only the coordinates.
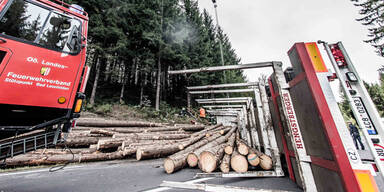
(42, 72)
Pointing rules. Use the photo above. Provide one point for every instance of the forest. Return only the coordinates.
(132, 44)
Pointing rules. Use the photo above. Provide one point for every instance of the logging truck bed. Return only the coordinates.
(122, 175)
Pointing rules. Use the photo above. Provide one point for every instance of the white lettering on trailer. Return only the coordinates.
(293, 122)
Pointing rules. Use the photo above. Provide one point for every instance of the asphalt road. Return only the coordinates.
(123, 175)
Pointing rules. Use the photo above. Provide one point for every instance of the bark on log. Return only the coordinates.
(242, 146)
(193, 157)
(224, 166)
(23, 160)
(231, 142)
(159, 151)
(179, 160)
(266, 162)
(210, 158)
(103, 132)
(152, 136)
(238, 162)
(112, 143)
(80, 141)
(114, 123)
(62, 151)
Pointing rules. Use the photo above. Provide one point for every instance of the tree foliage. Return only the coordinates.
(372, 12)
(128, 38)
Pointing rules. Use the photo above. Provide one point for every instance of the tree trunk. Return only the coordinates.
(152, 136)
(231, 142)
(63, 151)
(210, 158)
(179, 160)
(224, 166)
(238, 162)
(93, 93)
(113, 123)
(103, 132)
(158, 81)
(193, 157)
(242, 147)
(125, 79)
(159, 151)
(253, 157)
(81, 141)
(24, 160)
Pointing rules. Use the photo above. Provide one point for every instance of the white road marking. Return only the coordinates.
(188, 182)
(37, 171)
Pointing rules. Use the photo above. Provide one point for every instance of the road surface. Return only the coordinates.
(122, 175)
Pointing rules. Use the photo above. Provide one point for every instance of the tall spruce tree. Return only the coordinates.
(372, 12)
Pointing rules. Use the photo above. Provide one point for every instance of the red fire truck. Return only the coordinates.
(42, 70)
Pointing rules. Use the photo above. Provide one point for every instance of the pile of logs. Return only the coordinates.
(207, 147)
(221, 152)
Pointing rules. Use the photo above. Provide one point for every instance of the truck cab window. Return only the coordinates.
(57, 32)
(23, 20)
(27, 21)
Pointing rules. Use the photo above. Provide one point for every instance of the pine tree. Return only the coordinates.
(372, 12)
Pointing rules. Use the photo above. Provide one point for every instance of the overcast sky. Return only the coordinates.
(264, 30)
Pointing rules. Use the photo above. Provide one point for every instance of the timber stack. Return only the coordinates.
(220, 151)
(210, 148)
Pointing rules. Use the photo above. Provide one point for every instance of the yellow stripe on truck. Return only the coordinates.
(317, 60)
(366, 181)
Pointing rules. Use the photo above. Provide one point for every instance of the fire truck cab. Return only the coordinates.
(42, 64)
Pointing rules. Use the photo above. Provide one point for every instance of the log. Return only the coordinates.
(23, 160)
(114, 123)
(63, 151)
(242, 146)
(103, 132)
(193, 157)
(112, 143)
(152, 136)
(215, 127)
(210, 158)
(130, 148)
(253, 157)
(229, 147)
(178, 160)
(80, 141)
(266, 162)
(225, 166)
(159, 151)
(143, 129)
(238, 162)
(130, 143)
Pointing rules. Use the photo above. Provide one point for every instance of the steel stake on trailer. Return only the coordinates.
(361, 104)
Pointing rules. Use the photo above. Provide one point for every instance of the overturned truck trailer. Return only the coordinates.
(311, 132)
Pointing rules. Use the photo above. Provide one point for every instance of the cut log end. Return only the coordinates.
(228, 150)
(224, 168)
(139, 152)
(208, 162)
(169, 166)
(239, 163)
(192, 160)
(253, 159)
(265, 162)
(243, 149)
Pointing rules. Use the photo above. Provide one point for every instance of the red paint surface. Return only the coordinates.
(17, 66)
